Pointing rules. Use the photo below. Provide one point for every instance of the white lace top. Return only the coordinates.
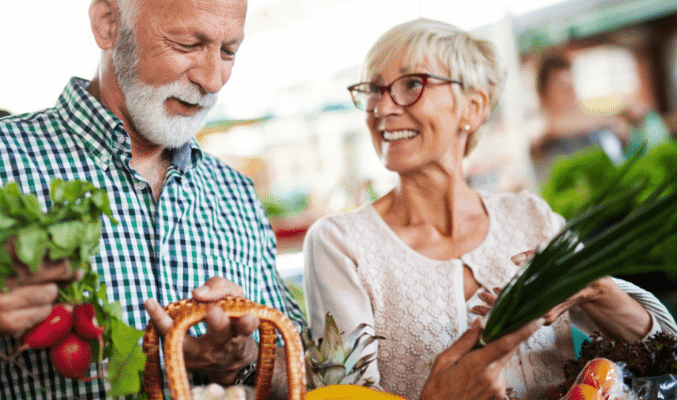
(358, 269)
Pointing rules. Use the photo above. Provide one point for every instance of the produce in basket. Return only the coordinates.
(602, 240)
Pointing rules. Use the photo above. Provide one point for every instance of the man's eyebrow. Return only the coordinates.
(205, 38)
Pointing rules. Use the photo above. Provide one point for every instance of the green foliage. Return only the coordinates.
(286, 207)
(72, 229)
(577, 180)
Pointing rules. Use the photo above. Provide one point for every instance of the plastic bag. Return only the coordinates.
(600, 379)
(655, 387)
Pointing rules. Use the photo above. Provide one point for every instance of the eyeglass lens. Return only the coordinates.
(404, 91)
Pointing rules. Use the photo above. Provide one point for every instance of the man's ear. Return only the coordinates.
(104, 19)
(476, 108)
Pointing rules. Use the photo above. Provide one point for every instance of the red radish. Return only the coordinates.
(54, 327)
(86, 324)
(71, 356)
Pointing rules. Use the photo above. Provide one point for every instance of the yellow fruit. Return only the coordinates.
(583, 392)
(599, 373)
(349, 392)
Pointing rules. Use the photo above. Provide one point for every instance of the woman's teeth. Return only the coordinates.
(399, 135)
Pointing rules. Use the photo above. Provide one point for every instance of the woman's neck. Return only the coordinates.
(434, 197)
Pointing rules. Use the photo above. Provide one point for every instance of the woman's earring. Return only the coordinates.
(467, 127)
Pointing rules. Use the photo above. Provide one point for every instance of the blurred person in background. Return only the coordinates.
(568, 128)
(421, 262)
(189, 225)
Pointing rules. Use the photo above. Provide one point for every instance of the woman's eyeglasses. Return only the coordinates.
(405, 90)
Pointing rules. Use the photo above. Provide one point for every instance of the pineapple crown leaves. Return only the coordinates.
(331, 361)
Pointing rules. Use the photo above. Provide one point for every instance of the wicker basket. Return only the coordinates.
(187, 313)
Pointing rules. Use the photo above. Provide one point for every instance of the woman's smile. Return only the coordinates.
(402, 134)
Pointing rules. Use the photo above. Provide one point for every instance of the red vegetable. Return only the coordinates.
(54, 327)
(86, 324)
(71, 356)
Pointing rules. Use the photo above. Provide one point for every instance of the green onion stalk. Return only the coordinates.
(612, 231)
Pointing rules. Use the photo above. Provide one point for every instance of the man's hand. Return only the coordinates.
(31, 295)
(227, 345)
(462, 373)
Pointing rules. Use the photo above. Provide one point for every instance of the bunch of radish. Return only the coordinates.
(68, 335)
(83, 323)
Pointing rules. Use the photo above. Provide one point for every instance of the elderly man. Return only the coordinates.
(189, 226)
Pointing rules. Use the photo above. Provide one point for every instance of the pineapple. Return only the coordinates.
(330, 361)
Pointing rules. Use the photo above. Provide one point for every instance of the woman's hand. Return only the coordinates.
(591, 292)
(462, 373)
(614, 312)
(227, 345)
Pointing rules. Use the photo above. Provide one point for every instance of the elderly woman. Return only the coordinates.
(415, 263)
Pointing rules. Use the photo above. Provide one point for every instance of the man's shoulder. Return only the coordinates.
(221, 178)
(21, 122)
(211, 164)
(29, 129)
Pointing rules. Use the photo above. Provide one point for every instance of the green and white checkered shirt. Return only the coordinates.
(207, 222)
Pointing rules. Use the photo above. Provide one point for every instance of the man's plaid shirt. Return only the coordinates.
(207, 222)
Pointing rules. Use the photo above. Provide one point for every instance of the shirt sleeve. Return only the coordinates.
(332, 284)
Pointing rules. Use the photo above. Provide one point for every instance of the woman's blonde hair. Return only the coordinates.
(471, 60)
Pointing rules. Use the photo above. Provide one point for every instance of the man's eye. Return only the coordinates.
(186, 46)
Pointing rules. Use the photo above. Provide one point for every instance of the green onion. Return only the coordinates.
(604, 239)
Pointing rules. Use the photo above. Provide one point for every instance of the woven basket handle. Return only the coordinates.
(189, 312)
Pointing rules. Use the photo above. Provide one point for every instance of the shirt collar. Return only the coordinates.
(103, 133)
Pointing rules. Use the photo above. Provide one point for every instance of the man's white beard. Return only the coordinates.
(146, 103)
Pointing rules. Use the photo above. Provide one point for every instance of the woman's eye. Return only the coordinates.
(413, 83)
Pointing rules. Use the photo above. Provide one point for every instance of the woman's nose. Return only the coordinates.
(386, 105)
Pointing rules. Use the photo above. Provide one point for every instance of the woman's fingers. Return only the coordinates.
(521, 258)
(480, 310)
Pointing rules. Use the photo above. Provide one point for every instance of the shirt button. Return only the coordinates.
(140, 186)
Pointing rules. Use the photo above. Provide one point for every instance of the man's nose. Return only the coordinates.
(210, 71)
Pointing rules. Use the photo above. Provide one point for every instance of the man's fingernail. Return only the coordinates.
(201, 290)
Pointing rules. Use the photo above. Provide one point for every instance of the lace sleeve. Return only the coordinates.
(331, 284)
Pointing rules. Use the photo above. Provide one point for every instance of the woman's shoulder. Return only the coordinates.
(523, 211)
(344, 223)
(510, 198)
(516, 203)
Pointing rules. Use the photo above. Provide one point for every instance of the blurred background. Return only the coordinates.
(285, 118)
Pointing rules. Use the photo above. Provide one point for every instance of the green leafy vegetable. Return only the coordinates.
(72, 229)
(622, 222)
